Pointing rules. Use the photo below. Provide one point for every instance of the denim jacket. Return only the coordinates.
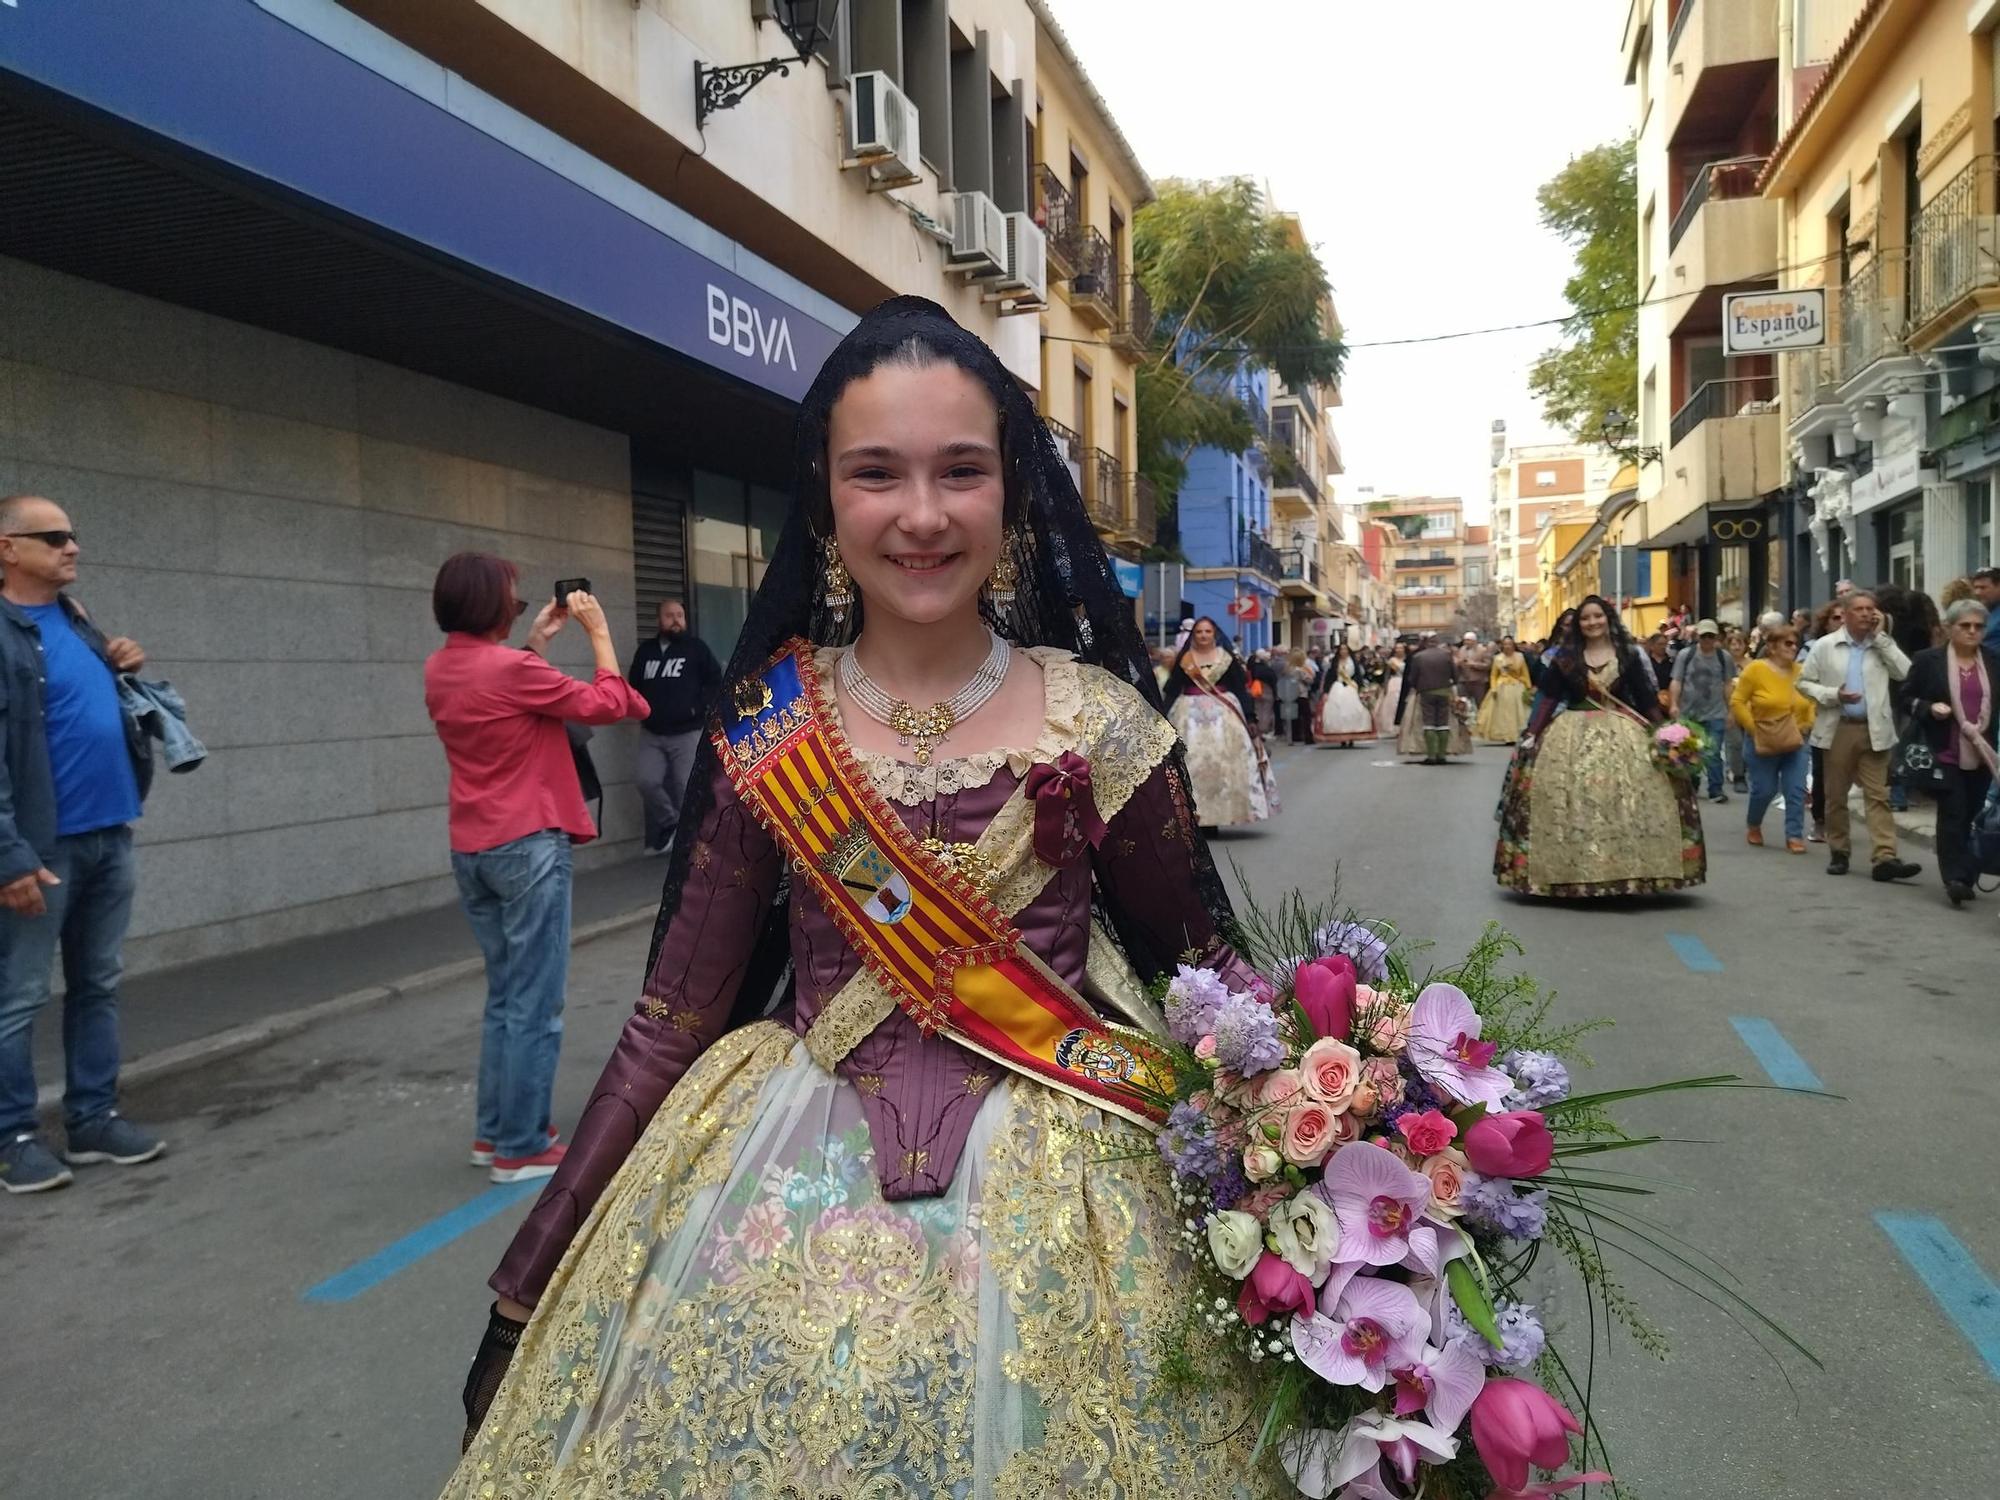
(160, 712)
(27, 782)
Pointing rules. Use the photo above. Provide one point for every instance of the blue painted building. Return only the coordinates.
(1225, 518)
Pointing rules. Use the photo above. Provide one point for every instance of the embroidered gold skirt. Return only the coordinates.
(1228, 781)
(745, 1316)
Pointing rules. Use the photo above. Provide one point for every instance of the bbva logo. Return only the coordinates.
(741, 326)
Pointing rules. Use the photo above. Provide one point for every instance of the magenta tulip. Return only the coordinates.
(1516, 1144)
(1273, 1287)
(1514, 1424)
(1325, 989)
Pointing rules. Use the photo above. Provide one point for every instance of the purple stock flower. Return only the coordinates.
(1193, 997)
(1521, 1337)
(1540, 1079)
(1492, 1203)
(1367, 947)
(1188, 1144)
(1246, 1036)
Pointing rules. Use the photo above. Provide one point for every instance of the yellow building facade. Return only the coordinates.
(1088, 185)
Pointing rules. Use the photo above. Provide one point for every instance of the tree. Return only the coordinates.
(1231, 284)
(1593, 205)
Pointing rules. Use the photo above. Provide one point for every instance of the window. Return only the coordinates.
(1080, 415)
(734, 529)
(1545, 479)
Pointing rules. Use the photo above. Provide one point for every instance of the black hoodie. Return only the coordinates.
(677, 676)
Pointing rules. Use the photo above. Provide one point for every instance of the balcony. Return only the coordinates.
(1723, 235)
(1719, 53)
(1258, 555)
(1057, 216)
(1134, 329)
(1298, 571)
(1069, 443)
(1093, 288)
(1874, 320)
(1957, 238)
(1103, 495)
(1142, 509)
(1722, 447)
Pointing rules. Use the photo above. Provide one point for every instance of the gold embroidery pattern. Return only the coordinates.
(845, 1021)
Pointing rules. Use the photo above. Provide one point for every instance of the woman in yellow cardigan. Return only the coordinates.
(1775, 718)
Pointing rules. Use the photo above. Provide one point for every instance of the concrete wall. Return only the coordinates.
(265, 516)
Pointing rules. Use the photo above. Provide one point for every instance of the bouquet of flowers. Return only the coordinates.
(1366, 1167)
(1680, 748)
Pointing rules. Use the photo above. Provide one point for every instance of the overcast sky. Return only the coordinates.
(1409, 139)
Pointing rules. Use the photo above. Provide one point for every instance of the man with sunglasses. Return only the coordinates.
(75, 773)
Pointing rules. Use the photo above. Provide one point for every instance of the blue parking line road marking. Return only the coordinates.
(1963, 1290)
(1774, 1054)
(1693, 953)
(346, 1285)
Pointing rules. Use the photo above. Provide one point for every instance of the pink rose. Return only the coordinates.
(1326, 988)
(1309, 1134)
(1346, 1127)
(1280, 1088)
(1428, 1133)
(1261, 1162)
(1205, 1048)
(1446, 1170)
(1516, 1144)
(1274, 1287)
(1330, 1069)
(1381, 1086)
(1389, 1027)
(1261, 1200)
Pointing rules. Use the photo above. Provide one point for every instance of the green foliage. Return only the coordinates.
(1592, 203)
(1232, 282)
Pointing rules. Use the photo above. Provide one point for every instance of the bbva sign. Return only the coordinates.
(744, 327)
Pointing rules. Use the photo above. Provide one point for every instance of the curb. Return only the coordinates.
(216, 1047)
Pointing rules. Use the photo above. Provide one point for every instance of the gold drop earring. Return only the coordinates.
(1006, 574)
(839, 591)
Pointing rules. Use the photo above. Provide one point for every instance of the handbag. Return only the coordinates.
(1913, 765)
(1777, 736)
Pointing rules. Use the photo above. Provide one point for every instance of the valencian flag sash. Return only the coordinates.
(936, 943)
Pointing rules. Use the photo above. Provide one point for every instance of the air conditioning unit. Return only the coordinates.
(882, 131)
(1027, 259)
(978, 236)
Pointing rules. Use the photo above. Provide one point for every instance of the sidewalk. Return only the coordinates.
(177, 1017)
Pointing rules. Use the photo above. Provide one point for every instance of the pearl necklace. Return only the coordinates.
(924, 727)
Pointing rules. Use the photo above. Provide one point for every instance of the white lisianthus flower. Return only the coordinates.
(1307, 1232)
(1236, 1240)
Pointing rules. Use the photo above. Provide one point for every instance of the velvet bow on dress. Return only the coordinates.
(1066, 819)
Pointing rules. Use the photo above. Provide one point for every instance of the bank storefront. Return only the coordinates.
(287, 314)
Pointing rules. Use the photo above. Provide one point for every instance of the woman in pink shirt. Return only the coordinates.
(516, 807)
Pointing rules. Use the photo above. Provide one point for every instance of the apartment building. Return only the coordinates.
(1307, 527)
(1224, 510)
(1532, 484)
(526, 277)
(1886, 183)
(1707, 87)
(1423, 550)
(1095, 321)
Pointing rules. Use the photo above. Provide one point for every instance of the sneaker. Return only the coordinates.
(1755, 838)
(1718, 796)
(525, 1168)
(27, 1166)
(1818, 834)
(1896, 869)
(1741, 785)
(111, 1138)
(482, 1151)
(1838, 864)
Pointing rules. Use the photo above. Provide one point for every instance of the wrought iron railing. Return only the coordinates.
(1260, 418)
(1096, 274)
(1678, 25)
(1059, 220)
(1720, 398)
(1104, 495)
(1295, 567)
(1735, 178)
(1143, 505)
(1874, 322)
(1257, 555)
(1298, 478)
(1135, 312)
(1955, 243)
(1813, 377)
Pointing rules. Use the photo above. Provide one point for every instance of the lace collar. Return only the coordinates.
(913, 785)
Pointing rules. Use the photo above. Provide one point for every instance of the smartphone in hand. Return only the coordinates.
(567, 586)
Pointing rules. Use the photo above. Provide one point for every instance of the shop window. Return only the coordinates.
(1978, 522)
(733, 531)
(1903, 536)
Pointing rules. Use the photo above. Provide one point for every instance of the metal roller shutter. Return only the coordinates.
(659, 549)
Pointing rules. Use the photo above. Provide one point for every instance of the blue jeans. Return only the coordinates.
(516, 895)
(87, 916)
(1713, 761)
(1771, 774)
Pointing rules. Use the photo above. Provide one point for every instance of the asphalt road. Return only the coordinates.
(160, 1342)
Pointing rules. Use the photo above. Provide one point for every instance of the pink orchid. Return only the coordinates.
(1516, 1423)
(1441, 1383)
(1376, 1326)
(1378, 1201)
(1445, 1047)
(1322, 1460)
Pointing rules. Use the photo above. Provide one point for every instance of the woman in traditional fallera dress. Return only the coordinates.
(1584, 810)
(1390, 703)
(831, 1251)
(1208, 702)
(1343, 718)
(1504, 713)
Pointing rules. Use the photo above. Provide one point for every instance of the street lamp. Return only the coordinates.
(1615, 429)
(807, 25)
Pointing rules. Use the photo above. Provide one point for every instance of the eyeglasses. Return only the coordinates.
(520, 608)
(1968, 625)
(55, 539)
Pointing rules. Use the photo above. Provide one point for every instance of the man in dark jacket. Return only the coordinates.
(74, 777)
(677, 675)
(1429, 679)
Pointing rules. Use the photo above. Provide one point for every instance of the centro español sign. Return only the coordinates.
(1758, 322)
